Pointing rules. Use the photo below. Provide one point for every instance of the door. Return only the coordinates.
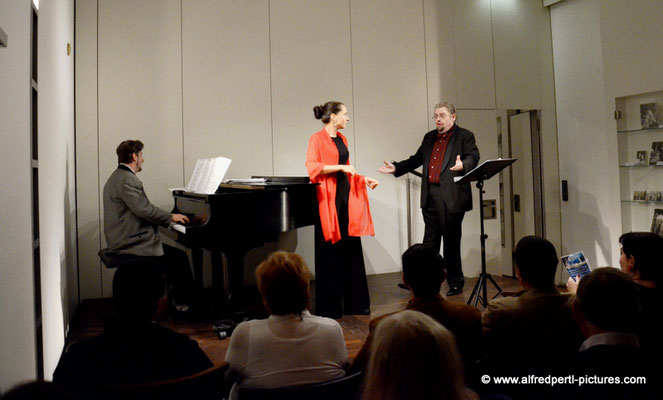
(527, 192)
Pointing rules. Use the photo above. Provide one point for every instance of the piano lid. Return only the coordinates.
(269, 183)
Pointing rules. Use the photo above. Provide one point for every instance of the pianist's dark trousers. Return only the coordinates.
(340, 277)
(175, 267)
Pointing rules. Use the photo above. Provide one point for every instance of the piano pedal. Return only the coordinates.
(223, 328)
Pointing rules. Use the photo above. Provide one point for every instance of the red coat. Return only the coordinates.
(322, 151)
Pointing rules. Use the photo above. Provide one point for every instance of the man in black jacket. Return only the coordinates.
(446, 152)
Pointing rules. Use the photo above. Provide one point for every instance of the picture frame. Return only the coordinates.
(657, 222)
(654, 195)
(648, 116)
(656, 154)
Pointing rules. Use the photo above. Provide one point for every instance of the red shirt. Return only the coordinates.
(436, 158)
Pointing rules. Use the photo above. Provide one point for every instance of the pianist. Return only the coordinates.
(131, 221)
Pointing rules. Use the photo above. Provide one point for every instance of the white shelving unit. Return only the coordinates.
(634, 174)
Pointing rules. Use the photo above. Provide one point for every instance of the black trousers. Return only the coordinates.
(340, 277)
(175, 266)
(444, 227)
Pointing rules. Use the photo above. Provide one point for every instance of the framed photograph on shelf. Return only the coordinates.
(642, 157)
(657, 222)
(648, 116)
(639, 195)
(656, 154)
(654, 195)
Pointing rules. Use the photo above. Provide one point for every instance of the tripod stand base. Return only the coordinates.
(481, 284)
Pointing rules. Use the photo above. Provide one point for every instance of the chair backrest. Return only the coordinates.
(337, 389)
(207, 384)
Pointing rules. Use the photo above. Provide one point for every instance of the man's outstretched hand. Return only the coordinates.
(387, 168)
(458, 166)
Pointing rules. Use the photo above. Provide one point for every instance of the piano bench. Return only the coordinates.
(119, 260)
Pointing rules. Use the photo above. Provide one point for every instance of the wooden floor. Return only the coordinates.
(386, 297)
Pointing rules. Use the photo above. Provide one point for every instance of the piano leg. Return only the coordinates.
(236, 279)
(197, 256)
(218, 280)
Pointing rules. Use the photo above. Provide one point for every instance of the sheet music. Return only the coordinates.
(208, 174)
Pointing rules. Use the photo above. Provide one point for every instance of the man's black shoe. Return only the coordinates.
(402, 286)
(455, 291)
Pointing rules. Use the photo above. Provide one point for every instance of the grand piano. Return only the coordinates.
(238, 218)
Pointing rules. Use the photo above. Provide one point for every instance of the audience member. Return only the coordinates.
(423, 274)
(292, 346)
(132, 349)
(606, 309)
(414, 357)
(640, 258)
(534, 330)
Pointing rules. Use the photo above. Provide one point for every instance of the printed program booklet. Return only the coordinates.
(576, 264)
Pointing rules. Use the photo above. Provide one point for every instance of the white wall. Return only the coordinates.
(57, 188)
(17, 324)
(249, 74)
(591, 41)
(627, 32)
(579, 85)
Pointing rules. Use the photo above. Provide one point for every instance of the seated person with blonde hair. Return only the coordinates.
(291, 347)
(414, 357)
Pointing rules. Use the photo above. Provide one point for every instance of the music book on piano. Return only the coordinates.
(208, 174)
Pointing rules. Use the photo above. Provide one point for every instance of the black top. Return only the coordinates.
(342, 186)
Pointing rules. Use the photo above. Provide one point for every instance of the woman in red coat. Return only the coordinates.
(345, 216)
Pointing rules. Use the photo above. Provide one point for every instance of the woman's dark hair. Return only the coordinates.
(325, 111)
(645, 248)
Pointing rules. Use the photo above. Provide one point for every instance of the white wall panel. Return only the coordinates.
(630, 31)
(475, 83)
(550, 157)
(390, 112)
(588, 216)
(17, 322)
(306, 73)
(140, 93)
(226, 85)
(440, 55)
(87, 151)
(516, 50)
(57, 196)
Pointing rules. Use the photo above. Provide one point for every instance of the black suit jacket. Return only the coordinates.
(457, 197)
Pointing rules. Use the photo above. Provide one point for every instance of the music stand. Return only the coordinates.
(484, 171)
